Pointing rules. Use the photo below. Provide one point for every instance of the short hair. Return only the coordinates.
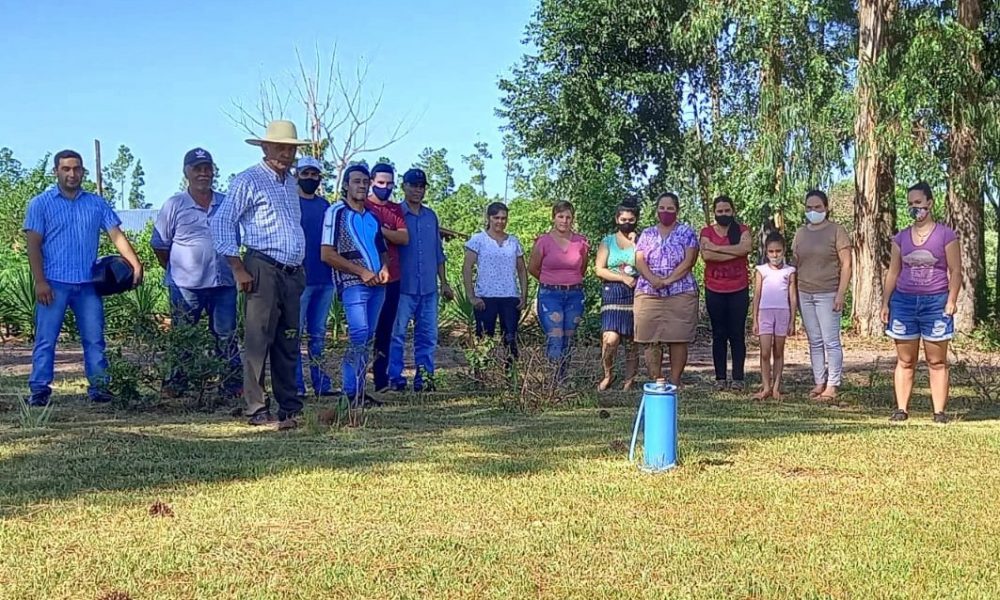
(383, 168)
(65, 154)
(819, 194)
(358, 168)
(563, 206)
(924, 188)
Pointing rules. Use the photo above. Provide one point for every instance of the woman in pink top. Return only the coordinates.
(921, 289)
(774, 305)
(559, 260)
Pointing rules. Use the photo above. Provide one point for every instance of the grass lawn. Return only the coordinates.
(454, 498)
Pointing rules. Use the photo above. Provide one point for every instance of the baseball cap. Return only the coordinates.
(415, 177)
(197, 156)
(308, 162)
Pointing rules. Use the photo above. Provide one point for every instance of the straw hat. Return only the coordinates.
(280, 132)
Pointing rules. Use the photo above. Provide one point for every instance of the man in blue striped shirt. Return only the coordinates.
(264, 202)
(63, 226)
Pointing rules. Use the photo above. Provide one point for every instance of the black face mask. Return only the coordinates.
(309, 186)
(724, 220)
(626, 228)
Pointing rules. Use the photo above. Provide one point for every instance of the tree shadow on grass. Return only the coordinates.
(85, 451)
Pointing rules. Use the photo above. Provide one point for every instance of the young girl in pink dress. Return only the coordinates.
(774, 305)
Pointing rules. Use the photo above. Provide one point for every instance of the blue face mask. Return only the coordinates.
(382, 193)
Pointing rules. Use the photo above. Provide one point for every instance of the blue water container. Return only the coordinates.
(658, 412)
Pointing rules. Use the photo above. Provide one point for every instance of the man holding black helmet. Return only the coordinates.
(63, 227)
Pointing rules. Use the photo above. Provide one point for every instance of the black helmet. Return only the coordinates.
(112, 275)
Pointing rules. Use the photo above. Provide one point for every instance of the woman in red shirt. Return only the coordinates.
(724, 247)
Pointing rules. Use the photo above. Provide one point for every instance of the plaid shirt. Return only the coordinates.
(267, 209)
(71, 231)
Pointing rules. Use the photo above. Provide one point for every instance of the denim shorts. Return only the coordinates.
(915, 316)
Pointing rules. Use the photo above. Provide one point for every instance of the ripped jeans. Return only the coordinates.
(559, 312)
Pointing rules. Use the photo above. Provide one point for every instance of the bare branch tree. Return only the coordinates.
(339, 111)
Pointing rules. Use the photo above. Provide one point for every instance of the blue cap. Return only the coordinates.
(308, 162)
(415, 177)
(197, 156)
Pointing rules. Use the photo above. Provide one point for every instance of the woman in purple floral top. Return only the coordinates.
(666, 295)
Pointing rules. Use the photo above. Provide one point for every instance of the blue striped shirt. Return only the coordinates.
(267, 209)
(71, 231)
(184, 228)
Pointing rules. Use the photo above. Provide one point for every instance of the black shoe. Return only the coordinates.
(941, 419)
(899, 416)
(261, 417)
(41, 399)
(102, 398)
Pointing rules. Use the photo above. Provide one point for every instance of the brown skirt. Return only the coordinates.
(666, 320)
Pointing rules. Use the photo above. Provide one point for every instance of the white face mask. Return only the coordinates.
(815, 217)
(776, 261)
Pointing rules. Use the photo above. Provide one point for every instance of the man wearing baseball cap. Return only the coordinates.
(422, 265)
(390, 217)
(318, 294)
(198, 278)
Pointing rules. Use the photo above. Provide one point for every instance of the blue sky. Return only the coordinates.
(158, 76)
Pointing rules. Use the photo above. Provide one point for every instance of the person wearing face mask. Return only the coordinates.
(724, 247)
(393, 227)
(921, 291)
(318, 293)
(615, 267)
(774, 304)
(666, 295)
(822, 254)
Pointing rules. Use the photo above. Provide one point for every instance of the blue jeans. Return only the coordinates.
(362, 304)
(559, 312)
(88, 308)
(219, 305)
(314, 311)
(423, 311)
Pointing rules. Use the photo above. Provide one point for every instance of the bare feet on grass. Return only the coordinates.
(829, 395)
(605, 383)
(817, 391)
(776, 394)
(764, 394)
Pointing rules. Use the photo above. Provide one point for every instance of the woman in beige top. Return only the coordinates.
(822, 253)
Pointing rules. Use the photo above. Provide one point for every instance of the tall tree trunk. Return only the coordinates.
(874, 172)
(996, 275)
(965, 198)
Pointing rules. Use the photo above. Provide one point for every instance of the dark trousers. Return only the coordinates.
(272, 332)
(383, 335)
(728, 314)
(506, 310)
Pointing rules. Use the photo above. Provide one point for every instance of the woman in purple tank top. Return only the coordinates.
(921, 288)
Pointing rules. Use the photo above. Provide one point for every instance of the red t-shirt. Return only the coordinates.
(726, 276)
(389, 215)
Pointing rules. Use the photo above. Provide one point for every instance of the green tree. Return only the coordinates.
(136, 197)
(440, 175)
(116, 175)
(477, 164)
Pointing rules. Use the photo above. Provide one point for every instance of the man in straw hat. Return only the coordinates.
(263, 201)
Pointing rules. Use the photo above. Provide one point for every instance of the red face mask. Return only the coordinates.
(667, 218)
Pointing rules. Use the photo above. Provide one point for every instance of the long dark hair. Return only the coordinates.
(733, 233)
